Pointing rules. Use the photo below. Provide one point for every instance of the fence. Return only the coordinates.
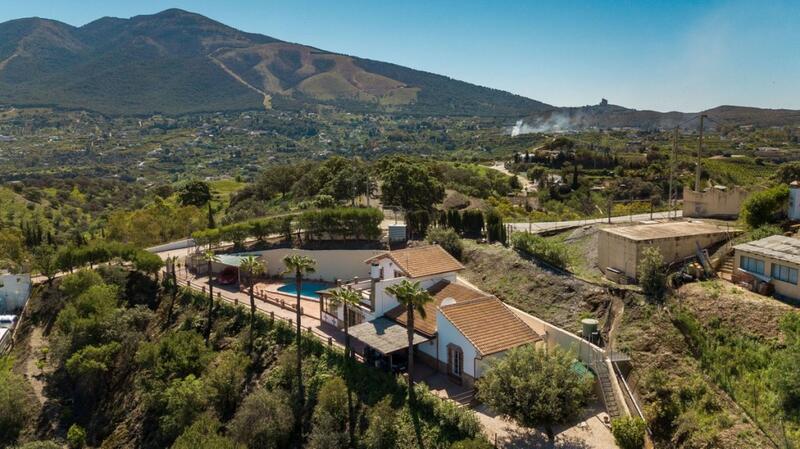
(325, 337)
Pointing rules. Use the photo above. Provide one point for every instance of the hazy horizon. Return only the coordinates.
(662, 56)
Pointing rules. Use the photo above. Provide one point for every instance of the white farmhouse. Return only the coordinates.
(463, 327)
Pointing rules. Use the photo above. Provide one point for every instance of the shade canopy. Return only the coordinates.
(384, 335)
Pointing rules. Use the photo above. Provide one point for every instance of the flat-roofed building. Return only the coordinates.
(769, 265)
(619, 249)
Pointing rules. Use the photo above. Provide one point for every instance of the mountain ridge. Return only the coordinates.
(181, 62)
(178, 62)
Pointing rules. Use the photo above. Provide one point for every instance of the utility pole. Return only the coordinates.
(699, 156)
(368, 191)
(672, 169)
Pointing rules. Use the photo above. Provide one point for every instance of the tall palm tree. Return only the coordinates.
(253, 268)
(172, 263)
(299, 265)
(348, 298)
(210, 258)
(414, 298)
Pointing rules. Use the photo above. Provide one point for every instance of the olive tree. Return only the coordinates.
(534, 386)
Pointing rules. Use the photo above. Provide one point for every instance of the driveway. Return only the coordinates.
(588, 432)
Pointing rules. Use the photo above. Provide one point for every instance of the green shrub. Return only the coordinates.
(552, 252)
(182, 401)
(381, 433)
(474, 443)
(76, 437)
(766, 206)
(14, 409)
(76, 283)
(225, 379)
(330, 417)
(204, 433)
(628, 432)
(264, 420)
(651, 276)
(448, 239)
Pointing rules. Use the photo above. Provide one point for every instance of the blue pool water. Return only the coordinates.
(308, 289)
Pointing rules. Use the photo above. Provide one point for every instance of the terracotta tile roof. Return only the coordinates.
(489, 325)
(422, 261)
(440, 291)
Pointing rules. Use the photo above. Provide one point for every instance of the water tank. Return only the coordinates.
(589, 328)
(397, 233)
(794, 201)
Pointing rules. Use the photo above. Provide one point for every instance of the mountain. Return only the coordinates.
(605, 115)
(179, 62)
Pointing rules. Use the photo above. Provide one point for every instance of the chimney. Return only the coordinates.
(374, 277)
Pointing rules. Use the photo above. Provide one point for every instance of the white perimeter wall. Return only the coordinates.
(331, 264)
(14, 291)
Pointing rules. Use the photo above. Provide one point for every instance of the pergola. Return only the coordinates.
(385, 336)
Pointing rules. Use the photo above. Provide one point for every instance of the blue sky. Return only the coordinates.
(662, 55)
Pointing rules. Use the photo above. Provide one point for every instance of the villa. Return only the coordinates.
(462, 329)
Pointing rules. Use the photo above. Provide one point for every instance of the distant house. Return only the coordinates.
(769, 265)
(463, 327)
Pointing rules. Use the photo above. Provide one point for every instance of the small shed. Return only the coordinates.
(619, 249)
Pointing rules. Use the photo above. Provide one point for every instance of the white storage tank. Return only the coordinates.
(794, 201)
(397, 233)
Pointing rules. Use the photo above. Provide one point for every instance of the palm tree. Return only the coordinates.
(210, 258)
(348, 298)
(299, 265)
(172, 263)
(414, 298)
(253, 268)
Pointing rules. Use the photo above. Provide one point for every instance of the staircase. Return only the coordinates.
(604, 378)
(726, 269)
(464, 399)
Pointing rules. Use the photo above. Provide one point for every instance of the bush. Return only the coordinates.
(474, 443)
(535, 386)
(204, 433)
(628, 432)
(651, 276)
(80, 281)
(766, 206)
(448, 239)
(225, 379)
(552, 252)
(264, 421)
(381, 433)
(14, 404)
(175, 355)
(330, 417)
(182, 401)
(76, 437)
(344, 222)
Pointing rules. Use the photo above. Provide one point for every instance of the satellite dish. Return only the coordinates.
(448, 301)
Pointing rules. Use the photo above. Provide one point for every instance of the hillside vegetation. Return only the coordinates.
(114, 365)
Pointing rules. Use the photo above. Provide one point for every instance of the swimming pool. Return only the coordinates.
(308, 289)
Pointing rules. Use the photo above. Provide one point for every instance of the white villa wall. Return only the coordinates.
(331, 264)
(449, 334)
(14, 291)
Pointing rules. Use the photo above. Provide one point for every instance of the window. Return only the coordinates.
(784, 273)
(752, 265)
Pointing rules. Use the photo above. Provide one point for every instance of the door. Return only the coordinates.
(455, 362)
